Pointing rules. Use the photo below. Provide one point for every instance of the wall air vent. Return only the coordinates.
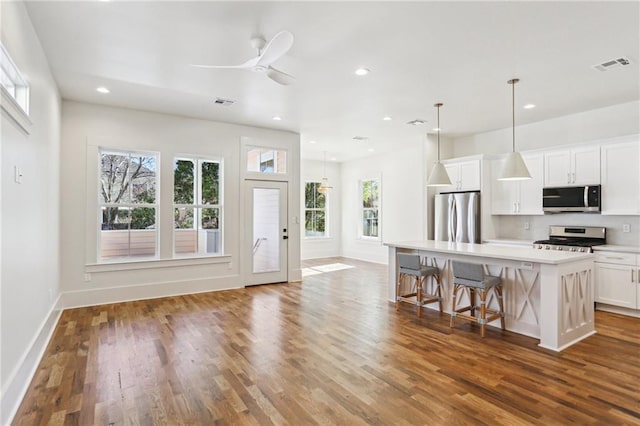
(224, 102)
(612, 63)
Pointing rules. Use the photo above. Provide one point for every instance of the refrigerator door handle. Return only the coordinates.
(453, 223)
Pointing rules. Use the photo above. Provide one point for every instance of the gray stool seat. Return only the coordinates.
(409, 266)
(422, 272)
(471, 276)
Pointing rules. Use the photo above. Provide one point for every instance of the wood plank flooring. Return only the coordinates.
(329, 350)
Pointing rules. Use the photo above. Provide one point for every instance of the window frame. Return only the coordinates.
(15, 99)
(305, 209)
(130, 205)
(362, 209)
(197, 204)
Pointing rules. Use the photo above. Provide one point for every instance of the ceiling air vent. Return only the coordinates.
(224, 102)
(416, 122)
(360, 138)
(611, 64)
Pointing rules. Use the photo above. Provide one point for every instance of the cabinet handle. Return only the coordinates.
(518, 204)
(633, 279)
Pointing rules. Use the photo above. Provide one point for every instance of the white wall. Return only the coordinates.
(85, 127)
(314, 171)
(603, 123)
(30, 215)
(600, 124)
(403, 201)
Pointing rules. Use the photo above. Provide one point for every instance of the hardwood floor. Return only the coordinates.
(329, 350)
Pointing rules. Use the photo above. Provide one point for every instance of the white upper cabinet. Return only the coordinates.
(572, 167)
(620, 175)
(464, 175)
(522, 197)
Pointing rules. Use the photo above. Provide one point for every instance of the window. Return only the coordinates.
(266, 160)
(128, 204)
(315, 211)
(370, 195)
(197, 206)
(12, 81)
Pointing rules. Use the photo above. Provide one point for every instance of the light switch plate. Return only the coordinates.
(626, 227)
(526, 226)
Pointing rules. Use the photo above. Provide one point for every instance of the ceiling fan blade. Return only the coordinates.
(248, 64)
(278, 46)
(280, 77)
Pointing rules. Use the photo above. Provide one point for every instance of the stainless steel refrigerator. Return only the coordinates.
(457, 217)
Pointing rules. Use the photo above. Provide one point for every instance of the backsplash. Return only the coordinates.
(512, 227)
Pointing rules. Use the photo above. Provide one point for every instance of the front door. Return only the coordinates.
(266, 236)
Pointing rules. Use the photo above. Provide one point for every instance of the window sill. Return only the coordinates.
(132, 265)
(15, 112)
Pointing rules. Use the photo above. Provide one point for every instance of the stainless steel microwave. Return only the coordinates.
(571, 199)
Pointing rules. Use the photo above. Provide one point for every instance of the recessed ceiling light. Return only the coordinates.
(370, 150)
(333, 158)
(102, 89)
(312, 141)
(529, 106)
(416, 122)
(276, 118)
(362, 71)
(387, 118)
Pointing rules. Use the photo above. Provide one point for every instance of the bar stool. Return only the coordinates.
(472, 277)
(409, 266)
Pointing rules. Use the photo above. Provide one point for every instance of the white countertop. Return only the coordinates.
(509, 242)
(613, 247)
(525, 254)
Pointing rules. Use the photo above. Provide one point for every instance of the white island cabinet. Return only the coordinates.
(548, 295)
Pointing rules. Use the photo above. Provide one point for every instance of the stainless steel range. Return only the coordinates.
(573, 238)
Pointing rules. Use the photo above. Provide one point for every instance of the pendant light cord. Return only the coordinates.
(438, 105)
(513, 82)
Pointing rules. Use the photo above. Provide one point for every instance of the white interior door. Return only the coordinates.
(266, 237)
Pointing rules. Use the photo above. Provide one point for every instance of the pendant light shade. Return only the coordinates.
(439, 175)
(514, 168)
(324, 184)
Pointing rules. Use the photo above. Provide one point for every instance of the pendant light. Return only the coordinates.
(439, 175)
(324, 184)
(514, 168)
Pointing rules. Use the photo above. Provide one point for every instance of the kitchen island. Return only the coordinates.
(548, 295)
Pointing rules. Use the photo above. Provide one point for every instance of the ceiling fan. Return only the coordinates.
(268, 53)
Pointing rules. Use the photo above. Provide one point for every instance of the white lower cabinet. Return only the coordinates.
(617, 280)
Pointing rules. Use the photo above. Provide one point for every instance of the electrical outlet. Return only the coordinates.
(87, 278)
(526, 226)
(626, 227)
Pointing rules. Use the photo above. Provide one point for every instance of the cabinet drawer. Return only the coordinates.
(615, 257)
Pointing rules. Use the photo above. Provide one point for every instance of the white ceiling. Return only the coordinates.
(419, 53)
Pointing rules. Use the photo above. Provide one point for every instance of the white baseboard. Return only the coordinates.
(618, 310)
(20, 379)
(104, 296)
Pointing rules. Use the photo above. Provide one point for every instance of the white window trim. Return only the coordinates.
(197, 204)
(361, 210)
(14, 110)
(327, 233)
(100, 204)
